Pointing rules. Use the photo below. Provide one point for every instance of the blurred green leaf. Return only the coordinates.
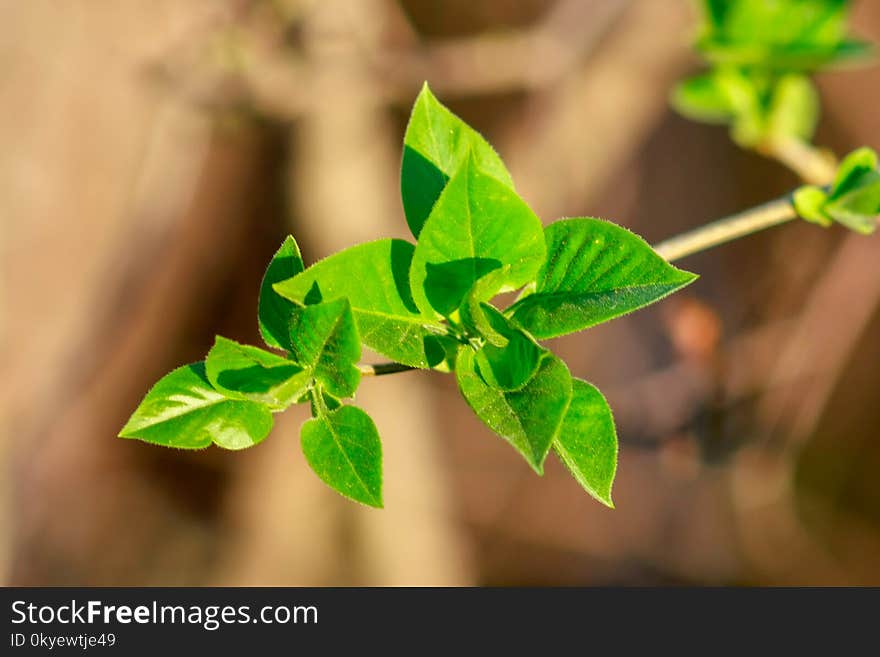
(794, 109)
(854, 198)
(595, 271)
(859, 208)
(860, 162)
(809, 202)
(702, 98)
(183, 410)
(435, 146)
(781, 35)
(587, 441)
(343, 447)
(273, 310)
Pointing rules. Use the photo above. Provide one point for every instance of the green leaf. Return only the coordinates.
(329, 402)
(809, 202)
(587, 441)
(344, 450)
(744, 95)
(701, 98)
(855, 165)
(478, 225)
(374, 278)
(595, 271)
(794, 109)
(435, 146)
(859, 208)
(528, 418)
(781, 35)
(183, 410)
(510, 366)
(244, 372)
(273, 310)
(473, 310)
(324, 340)
(854, 200)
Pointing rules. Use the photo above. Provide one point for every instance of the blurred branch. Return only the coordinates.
(812, 165)
(261, 72)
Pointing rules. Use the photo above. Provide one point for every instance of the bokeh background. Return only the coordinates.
(154, 155)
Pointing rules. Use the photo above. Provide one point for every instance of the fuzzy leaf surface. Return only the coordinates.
(528, 418)
(344, 450)
(273, 310)
(374, 277)
(436, 144)
(183, 410)
(477, 226)
(595, 271)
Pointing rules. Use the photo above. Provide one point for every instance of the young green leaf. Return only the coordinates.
(325, 341)
(702, 98)
(183, 410)
(859, 208)
(854, 199)
(478, 225)
(587, 441)
(780, 35)
(273, 310)
(343, 448)
(528, 418)
(374, 277)
(860, 162)
(595, 271)
(241, 371)
(436, 144)
(809, 202)
(794, 109)
(473, 310)
(512, 365)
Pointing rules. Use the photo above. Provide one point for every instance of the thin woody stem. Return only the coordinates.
(813, 165)
(381, 369)
(727, 229)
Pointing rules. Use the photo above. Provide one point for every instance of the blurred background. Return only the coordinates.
(154, 155)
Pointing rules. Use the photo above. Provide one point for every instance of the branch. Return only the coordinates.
(380, 369)
(727, 229)
(811, 164)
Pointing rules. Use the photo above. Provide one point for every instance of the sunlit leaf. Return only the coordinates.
(587, 441)
(344, 449)
(595, 271)
(528, 418)
(183, 410)
(274, 310)
(374, 277)
(241, 371)
(435, 146)
(477, 226)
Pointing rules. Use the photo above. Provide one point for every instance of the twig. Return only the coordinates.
(380, 369)
(812, 165)
(730, 228)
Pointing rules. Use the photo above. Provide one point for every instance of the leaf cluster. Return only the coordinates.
(431, 304)
(760, 55)
(853, 200)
